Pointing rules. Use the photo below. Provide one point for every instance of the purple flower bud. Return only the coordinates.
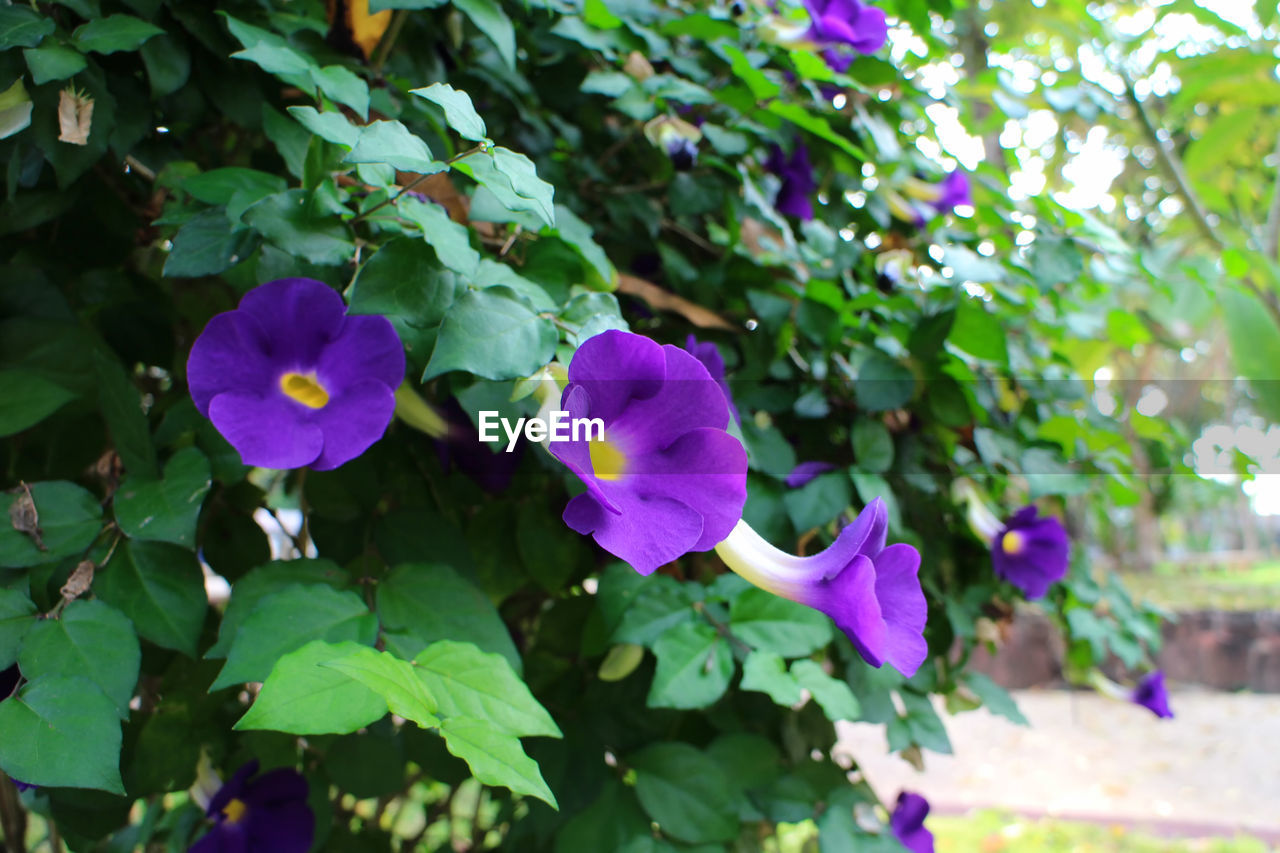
(806, 471)
(907, 823)
(1152, 695)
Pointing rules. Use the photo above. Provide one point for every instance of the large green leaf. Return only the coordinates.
(207, 245)
(495, 757)
(405, 282)
(23, 27)
(978, 332)
(53, 62)
(289, 619)
(489, 19)
(775, 624)
(392, 143)
(161, 588)
(91, 639)
(430, 602)
(459, 112)
(451, 241)
(61, 731)
(292, 222)
(263, 581)
(114, 33)
(303, 696)
(694, 667)
(69, 519)
(517, 341)
(835, 697)
(165, 510)
(394, 680)
(28, 399)
(532, 194)
(1255, 345)
(685, 792)
(467, 682)
(17, 616)
(766, 672)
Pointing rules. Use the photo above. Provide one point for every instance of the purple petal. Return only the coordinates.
(955, 191)
(222, 838)
(276, 787)
(903, 605)
(1043, 555)
(703, 470)
(615, 368)
(231, 354)
(849, 598)
(303, 314)
(1152, 695)
(367, 348)
(352, 421)
(835, 28)
(907, 823)
(805, 472)
(709, 354)
(647, 532)
(285, 828)
(872, 30)
(688, 399)
(233, 788)
(268, 431)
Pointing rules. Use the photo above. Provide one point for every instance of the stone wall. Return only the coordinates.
(1224, 650)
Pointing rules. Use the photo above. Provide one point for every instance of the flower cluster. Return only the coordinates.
(291, 380)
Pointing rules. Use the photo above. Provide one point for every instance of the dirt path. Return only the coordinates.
(1216, 764)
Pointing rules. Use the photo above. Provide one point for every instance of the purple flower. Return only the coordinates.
(1030, 552)
(290, 380)
(1151, 694)
(872, 592)
(846, 22)
(663, 478)
(943, 197)
(683, 153)
(806, 471)
(797, 181)
(954, 191)
(267, 814)
(709, 354)
(907, 823)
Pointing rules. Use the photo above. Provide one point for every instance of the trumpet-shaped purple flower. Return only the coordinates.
(847, 23)
(907, 823)
(683, 153)
(872, 592)
(665, 478)
(267, 814)
(806, 471)
(1152, 695)
(797, 181)
(943, 197)
(1031, 553)
(290, 380)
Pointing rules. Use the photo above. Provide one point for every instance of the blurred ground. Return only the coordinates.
(1212, 770)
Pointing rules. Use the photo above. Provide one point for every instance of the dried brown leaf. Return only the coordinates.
(664, 300)
(75, 117)
(25, 518)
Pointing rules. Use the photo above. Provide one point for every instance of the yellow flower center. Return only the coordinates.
(234, 811)
(305, 388)
(607, 461)
(1013, 542)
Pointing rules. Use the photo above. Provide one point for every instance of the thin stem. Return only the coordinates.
(388, 40)
(13, 818)
(416, 181)
(135, 165)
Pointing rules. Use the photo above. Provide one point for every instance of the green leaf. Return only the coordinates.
(534, 195)
(577, 233)
(343, 86)
(405, 283)
(207, 245)
(218, 186)
(979, 332)
(161, 588)
(91, 639)
(760, 85)
(517, 341)
(23, 27)
(685, 792)
(804, 119)
(165, 510)
(1255, 345)
(495, 758)
(303, 696)
(883, 383)
(656, 606)
(923, 725)
(330, 126)
(872, 446)
(168, 64)
(489, 19)
(394, 680)
(28, 398)
(467, 682)
(835, 697)
(391, 142)
(290, 221)
(459, 112)
(994, 697)
(520, 171)
(766, 672)
(17, 616)
(257, 584)
(113, 33)
(267, 50)
(121, 403)
(285, 621)
(61, 731)
(774, 624)
(433, 602)
(53, 62)
(818, 501)
(69, 519)
(694, 667)
(451, 241)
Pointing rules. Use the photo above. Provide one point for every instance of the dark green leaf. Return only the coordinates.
(114, 33)
(834, 696)
(767, 672)
(451, 241)
(685, 792)
(23, 27)
(994, 697)
(694, 667)
(90, 639)
(289, 220)
(207, 245)
(161, 588)
(818, 501)
(165, 510)
(774, 624)
(517, 340)
(392, 143)
(883, 383)
(489, 19)
(459, 112)
(872, 446)
(61, 731)
(467, 682)
(53, 62)
(17, 616)
(264, 581)
(168, 64)
(330, 126)
(342, 85)
(405, 283)
(28, 399)
(978, 332)
(69, 519)
(217, 186)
